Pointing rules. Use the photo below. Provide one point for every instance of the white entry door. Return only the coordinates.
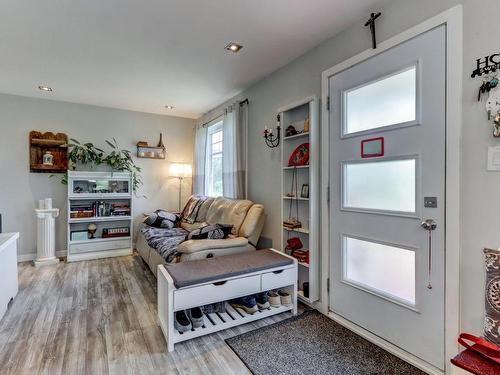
(387, 175)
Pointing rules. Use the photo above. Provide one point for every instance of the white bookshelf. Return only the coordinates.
(308, 208)
(108, 189)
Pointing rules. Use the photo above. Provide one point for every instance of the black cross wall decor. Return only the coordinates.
(371, 23)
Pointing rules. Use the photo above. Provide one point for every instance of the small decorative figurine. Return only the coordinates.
(48, 158)
(91, 229)
(290, 131)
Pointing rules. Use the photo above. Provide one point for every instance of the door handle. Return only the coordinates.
(429, 225)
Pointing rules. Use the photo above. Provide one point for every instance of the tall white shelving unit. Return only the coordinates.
(112, 190)
(308, 208)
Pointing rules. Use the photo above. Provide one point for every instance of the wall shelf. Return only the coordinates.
(298, 167)
(293, 198)
(298, 230)
(297, 136)
(308, 208)
(42, 143)
(99, 219)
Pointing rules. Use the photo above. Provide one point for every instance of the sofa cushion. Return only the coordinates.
(194, 246)
(253, 224)
(211, 232)
(161, 219)
(190, 211)
(205, 206)
(228, 211)
(194, 226)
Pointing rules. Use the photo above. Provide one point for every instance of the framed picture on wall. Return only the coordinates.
(304, 192)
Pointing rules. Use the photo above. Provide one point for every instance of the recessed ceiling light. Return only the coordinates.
(234, 47)
(169, 107)
(45, 88)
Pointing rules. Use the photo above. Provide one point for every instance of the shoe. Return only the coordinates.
(274, 299)
(247, 303)
(218, 307)
(286, 299)
(182, 322)
(196, 316)
(262, 301)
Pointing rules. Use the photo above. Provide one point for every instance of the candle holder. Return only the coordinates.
(272, 140)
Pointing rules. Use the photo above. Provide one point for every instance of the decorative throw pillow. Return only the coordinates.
(492, 297)
(190, 211)
(211, 232)
(162, 219)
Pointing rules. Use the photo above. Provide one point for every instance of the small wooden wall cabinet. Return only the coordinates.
(40, 143)
(172, 299)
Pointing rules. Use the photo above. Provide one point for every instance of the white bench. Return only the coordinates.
(172, 299)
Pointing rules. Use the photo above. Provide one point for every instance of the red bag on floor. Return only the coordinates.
(481, 346)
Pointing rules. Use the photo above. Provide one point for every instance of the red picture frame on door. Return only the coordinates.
(372, 148)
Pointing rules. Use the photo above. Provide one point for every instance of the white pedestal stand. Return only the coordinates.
(46, 241)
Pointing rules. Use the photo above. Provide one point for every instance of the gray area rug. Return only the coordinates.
(311, 343)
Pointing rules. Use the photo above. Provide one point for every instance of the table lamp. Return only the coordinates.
(180, 171)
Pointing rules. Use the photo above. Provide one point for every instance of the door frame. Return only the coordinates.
(452, 20)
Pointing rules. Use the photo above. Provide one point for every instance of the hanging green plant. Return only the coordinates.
(121, 160)
(88, 154)
(85, 153)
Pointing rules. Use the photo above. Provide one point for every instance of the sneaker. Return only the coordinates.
(218, 307)
(274, 299)
(182, 322)
(196, 317)
(286, 299)
(248, 304)
(262, 301)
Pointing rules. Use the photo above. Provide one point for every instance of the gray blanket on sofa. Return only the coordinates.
(164, 241)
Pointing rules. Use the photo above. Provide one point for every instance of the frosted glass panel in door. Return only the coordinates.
(382, 185)
(382, 269)
(387, 101)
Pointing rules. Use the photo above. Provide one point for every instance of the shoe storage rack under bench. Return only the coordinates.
(172, 299)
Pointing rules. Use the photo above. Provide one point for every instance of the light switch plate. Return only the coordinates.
(494, 158)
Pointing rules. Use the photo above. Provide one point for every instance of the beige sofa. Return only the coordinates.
(246, 217)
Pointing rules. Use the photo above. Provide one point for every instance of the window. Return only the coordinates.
(380, 268)
(388, 185)
(213, 176)
(388, 101)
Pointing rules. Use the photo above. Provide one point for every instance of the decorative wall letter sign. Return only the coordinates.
(373, 147)
(487, 64)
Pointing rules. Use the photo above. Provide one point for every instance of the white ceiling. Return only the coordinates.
(143, 54)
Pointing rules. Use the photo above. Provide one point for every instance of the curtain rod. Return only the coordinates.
(242, 103)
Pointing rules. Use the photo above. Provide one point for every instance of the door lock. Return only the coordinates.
(429, 225)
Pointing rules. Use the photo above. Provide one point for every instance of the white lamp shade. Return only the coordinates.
(180, 170)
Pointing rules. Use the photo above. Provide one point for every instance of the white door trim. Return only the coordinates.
(452, 19)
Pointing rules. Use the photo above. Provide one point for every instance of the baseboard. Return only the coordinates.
(32, 256)
(391, 348)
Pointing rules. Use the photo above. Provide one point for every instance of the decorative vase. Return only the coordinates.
(48, 158)
(160, 143)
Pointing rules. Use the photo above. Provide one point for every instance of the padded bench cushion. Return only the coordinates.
(206, 270)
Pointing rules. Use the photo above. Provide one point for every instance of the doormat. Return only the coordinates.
(312, 343)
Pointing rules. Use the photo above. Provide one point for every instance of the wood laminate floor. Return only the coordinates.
(99, 317)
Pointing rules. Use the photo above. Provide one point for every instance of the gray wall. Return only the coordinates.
(20, 189)
(480, 189)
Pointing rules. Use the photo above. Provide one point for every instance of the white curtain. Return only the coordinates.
(200, 148)
(234, 151)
